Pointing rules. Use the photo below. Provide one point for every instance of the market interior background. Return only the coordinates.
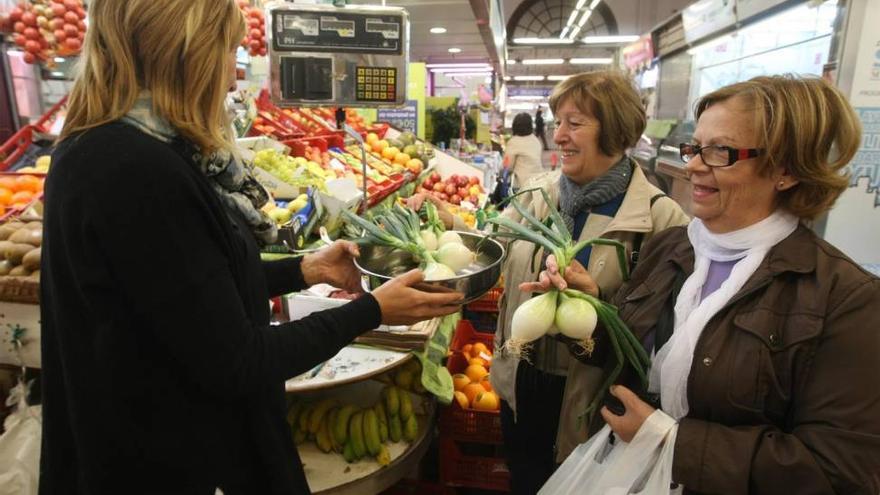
(471, 66)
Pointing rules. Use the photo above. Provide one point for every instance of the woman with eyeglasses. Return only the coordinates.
(765, 338)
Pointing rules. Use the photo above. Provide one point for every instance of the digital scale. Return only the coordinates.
(345, 56)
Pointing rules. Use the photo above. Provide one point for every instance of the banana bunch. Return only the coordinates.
(352, 431)
(408, 376)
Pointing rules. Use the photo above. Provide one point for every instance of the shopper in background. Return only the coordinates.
(539, 127)
(601, 192)
(161, 373)
(765, 336)
(522, 153)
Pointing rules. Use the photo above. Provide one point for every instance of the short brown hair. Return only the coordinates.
(805, 125)
(612, 99)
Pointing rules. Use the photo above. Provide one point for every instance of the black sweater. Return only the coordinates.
(161, 373)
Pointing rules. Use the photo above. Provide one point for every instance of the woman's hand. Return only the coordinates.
(333, 265)
(576, 277)
(415, 202)
(637, 411)
(403, 304)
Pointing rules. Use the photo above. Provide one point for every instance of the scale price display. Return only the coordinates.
(343, 32)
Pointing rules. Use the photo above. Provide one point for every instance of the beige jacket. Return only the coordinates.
(524, 155)
(636, 215)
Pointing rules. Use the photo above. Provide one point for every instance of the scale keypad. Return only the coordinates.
(376, 84)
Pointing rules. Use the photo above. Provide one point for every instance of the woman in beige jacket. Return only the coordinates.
(600, 192)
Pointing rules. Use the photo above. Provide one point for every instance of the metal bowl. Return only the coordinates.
(381, 263)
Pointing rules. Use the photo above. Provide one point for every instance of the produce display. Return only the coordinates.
(472, 387)
(402, 152)
(255, 39)
(454, 189)
(45, 29)
(298, 172)
(570, 312)
(282, 212)
(20, 245)
(356, 432)
(17, 191)
(442, 255)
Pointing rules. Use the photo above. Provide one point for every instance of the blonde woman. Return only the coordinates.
(161, 372)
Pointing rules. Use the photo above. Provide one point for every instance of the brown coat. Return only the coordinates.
(783, 393)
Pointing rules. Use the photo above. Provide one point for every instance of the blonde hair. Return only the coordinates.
(175, 49)
(612, 99)
(806, 126)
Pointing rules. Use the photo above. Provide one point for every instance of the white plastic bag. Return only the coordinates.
(20, 448)
(643, 466)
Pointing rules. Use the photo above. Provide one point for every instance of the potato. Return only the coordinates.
(34, 225)
(5, 267)
(7, 230)
(19, 271)
(15, 252)
(27, 236)
(31, 260)
(35, 275)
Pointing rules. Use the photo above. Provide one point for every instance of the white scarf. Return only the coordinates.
(672, 364)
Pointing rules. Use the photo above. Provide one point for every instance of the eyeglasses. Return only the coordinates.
(717, 156)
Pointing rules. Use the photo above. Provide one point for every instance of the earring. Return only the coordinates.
(781, 184)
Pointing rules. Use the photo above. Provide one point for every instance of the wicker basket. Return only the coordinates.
(20, 290)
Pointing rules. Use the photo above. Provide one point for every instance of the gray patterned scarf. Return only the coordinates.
(574, 199)
(230, 178)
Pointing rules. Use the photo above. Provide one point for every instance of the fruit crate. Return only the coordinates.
(324, 142)
(489, 302)
(21, 150)
(463, 465)
(465, 333)
(418, 487)
(8, 185)
(468, 425)
(482, 321)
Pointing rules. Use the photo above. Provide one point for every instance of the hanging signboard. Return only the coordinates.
(639, 53)
(706, 17)
(528, 91)
(405, 118)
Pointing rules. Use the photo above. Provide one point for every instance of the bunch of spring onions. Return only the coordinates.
(570, 312)
(440, 254)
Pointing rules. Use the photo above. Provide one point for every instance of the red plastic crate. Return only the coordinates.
(468, 425)
(324, 142)
(489, 302)
(460, 469)
(15, 147)
(465, 333)
(418, 487)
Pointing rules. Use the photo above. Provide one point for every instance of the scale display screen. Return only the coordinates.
(344, 32)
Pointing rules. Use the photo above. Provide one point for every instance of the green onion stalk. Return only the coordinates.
(576, 313)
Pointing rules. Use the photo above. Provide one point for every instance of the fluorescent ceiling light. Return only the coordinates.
(543, 61)
(564, 32)
(609, 39)
(557, 78)
(593, 5)
(572, 17)
(591, 61)
(580, 4)
(528, 78)
(455, 74)
(511, 61)
(438, 30)
(587, 14)
(507, 78)
(540, 41)
(480, 65)
(59, 59)
(454, 50)
(574, 31)
(518, 97)
(462, 69)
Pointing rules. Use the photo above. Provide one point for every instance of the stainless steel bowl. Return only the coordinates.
(381, 263)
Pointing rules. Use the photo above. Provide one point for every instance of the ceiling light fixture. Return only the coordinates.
(564, 32)
(454, 50)
(461, 69)
(541, 41)
(438, 30)
(511, 61)
(595, 40)
(473, 65)
(591, 61)
(587, 14)
(594, 4)
(580, 4)
(507, 78)
(557, 78)
(543, 61)
(528, 78)
(454, 74)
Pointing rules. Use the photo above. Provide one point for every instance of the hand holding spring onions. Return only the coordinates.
(570, 312)
(401, 304)
(576, 277)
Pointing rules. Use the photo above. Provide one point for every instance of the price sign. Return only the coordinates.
(405, 118)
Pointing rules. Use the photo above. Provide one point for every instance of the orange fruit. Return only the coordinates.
(372, 137)
(482, 362)
(481, 347)
(471, 390)
(5, 196)
(486, 384)
(8, 183)
(467, 348)
(22, 197)
(486, 401)
(401, 158)
(461, 399)
(415, 166)
(460, 381)
(29, 183)
(476, 372)
(390, 152)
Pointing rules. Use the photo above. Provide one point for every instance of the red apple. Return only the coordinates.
(439, 187)
(443, 196)
(450, 189)
(463, 192)
(435, 177)
(427, 184)
(455, 199)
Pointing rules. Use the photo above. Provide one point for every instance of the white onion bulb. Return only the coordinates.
(575, 318)
(449, 236)
(429, 239)
(438, 271)
(455, 256)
